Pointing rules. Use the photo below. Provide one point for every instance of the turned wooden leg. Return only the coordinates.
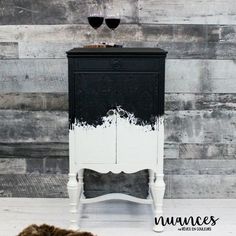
(81, 184)
(151, 182)
(158, 190)
(73, 191)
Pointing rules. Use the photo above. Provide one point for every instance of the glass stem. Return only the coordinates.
(95, 37)
(113, 37)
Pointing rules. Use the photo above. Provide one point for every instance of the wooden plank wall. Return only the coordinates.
(200, 138)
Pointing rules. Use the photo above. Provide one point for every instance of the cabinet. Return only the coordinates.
(116, 108)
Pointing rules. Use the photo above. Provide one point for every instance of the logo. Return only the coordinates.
(189, 223)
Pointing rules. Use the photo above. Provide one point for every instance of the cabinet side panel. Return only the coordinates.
(71, 86)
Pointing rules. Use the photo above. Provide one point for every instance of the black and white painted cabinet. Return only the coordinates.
(116, 108)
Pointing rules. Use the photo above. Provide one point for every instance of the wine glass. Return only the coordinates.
(96, 17)
(112, 18)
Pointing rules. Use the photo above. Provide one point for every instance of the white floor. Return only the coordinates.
(115, 217)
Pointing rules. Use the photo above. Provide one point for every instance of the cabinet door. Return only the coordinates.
(137, 100)
(96, 121)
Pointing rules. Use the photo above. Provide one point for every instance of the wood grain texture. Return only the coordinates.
(33, 75)
(8, 50)
(203, 151)
(50, 75)
(200, 126)
(12, 166)
(27, 150)
(29, 126)
(15, 12)
(26, 12)
(34, 101)
(200, 167)
(184, 12)
(35, 185)
(191, 41)
(200, 186)
(200, 76)
(204, 102)
(67, 33)
(173, 101)
(181, 41)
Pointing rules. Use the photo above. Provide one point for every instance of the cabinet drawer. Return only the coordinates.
(118, 64)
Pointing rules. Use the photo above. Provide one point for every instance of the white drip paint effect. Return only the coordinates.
(119, 139)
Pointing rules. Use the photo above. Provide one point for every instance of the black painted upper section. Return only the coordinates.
(106, 78)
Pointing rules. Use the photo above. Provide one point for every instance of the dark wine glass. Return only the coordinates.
(95, 21)
(112, 22)
(96, 17)
(112, 18)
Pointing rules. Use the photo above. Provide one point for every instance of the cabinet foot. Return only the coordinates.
(158, 228)
(158, 191)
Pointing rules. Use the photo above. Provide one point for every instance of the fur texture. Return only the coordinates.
(48, 230)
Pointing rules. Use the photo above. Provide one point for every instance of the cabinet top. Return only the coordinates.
(116, 51)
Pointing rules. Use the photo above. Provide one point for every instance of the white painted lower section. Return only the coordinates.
(136, 143)
(119, 140)
(96, 144)
(121, 143)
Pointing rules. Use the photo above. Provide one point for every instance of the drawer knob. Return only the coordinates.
(110, 113)
(116, 64)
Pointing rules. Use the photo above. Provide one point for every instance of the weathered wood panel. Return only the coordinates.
(15, 12)
(56, 12)
(182, 76)
(46, 50)
(16, 126)
(173, 101)
(185, 12)
(34, 185)
(201, 126)
(204, 151)
(205, 50)
(210, 101)
(72, 33)
(181, 41)
(200, 76)
(200, 167)
(39, 75)
(12, 166)
(200, 186)
(8, 50)
(44, 33)
(191, 41)
(34, 101)
(27, 150)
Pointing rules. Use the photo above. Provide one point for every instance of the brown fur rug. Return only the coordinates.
(48, 230)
